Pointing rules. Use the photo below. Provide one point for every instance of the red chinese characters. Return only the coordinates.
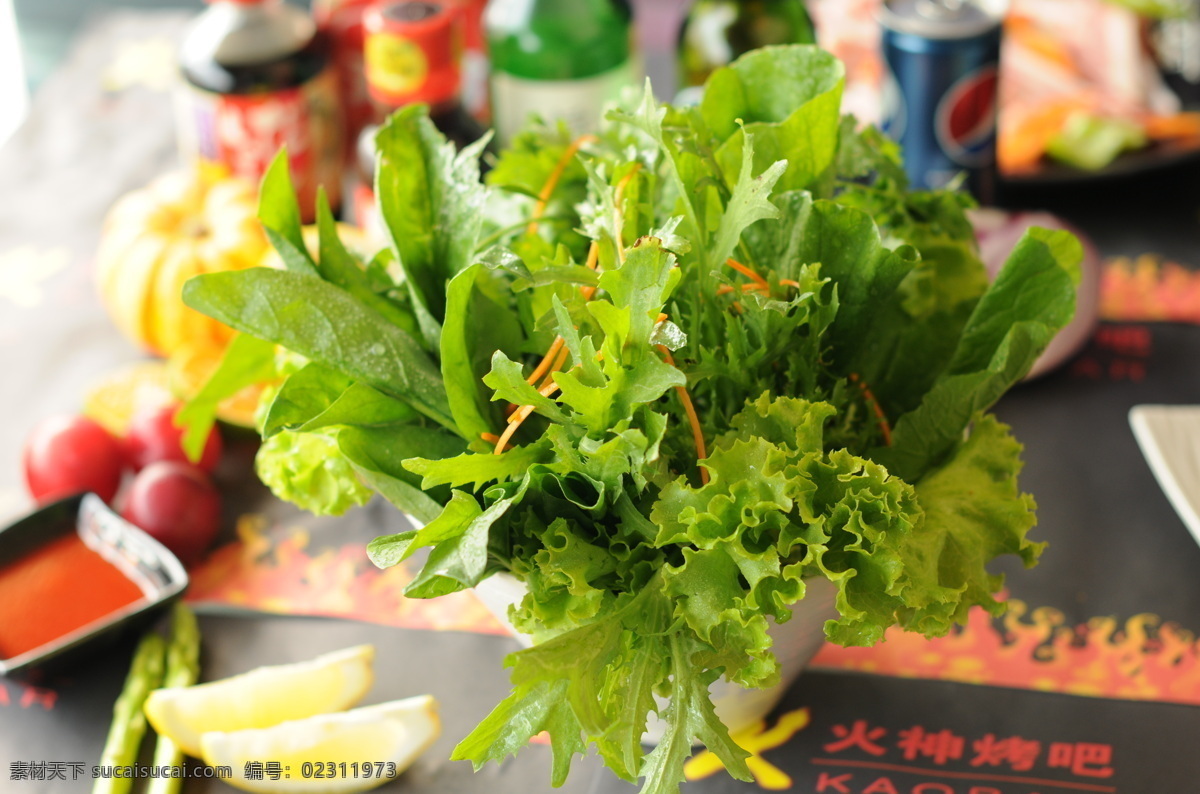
(1014, 752)
(939, 747)
(1082, 758)
(857, 735)
(1117, 353)
(27, 696)
(988, 754)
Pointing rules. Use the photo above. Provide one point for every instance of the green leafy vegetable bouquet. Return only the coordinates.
(663, 376)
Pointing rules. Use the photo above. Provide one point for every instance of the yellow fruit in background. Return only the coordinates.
(140, 387)
(189, 369)
(117, 397)
(154, 239)
(262, 697)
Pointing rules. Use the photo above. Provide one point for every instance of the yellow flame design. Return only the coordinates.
(756, 740)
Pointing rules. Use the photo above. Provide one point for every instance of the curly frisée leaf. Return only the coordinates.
(624, 658)
(972, 503)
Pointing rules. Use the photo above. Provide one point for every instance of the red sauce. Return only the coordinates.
(56, 589)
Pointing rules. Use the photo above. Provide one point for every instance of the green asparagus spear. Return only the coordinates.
(183, 668)
(129, 723)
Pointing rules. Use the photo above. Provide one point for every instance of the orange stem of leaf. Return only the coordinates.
(491, 438)
(593, 261)
(544, 364)
(547, 388)
(558, 365)
(625, 181)
(884, 427)
(693, 419)
(547, 191)
(514, 422)
(748, 273)
(553, 361)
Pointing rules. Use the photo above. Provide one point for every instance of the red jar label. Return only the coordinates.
(245, 132)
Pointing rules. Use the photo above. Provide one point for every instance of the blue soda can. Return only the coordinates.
(940, 90)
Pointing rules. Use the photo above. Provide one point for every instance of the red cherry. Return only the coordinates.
(153, 437)
(176, 504)
(65, 455)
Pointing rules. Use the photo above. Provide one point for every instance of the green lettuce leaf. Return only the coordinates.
(279, 212)
(246, 362)
(338, 266)
(305, 395)
(325, 324)
(431, 201)
(974, 508)
(477, 468)
(788, 99)
(308, 470)
(466, 354)
(377, 455)
(1030, 300)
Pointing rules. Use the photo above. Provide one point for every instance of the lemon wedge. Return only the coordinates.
(348, 751)
(262, 697)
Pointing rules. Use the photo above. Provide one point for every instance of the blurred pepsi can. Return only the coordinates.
(940, 90)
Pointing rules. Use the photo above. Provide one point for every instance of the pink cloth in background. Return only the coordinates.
(658, 24)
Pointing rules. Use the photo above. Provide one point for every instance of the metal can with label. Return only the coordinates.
(940, 93)
(413, 53)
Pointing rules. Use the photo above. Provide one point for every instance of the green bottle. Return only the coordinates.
(559, 59)
(716, 32)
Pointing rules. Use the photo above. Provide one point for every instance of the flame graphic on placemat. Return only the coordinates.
(1142, 658)
(1149, 289)
(275, 571)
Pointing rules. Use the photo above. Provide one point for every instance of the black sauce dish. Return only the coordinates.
(138, 557)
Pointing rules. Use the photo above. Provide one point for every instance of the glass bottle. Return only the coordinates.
(717, 32)
(476, 66)
(559, 59)
(257, 76)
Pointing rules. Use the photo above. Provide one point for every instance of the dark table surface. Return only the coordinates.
(101, 126)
